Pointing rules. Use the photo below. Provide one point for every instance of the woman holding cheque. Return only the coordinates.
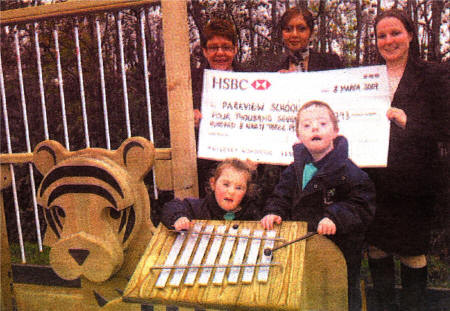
(406, 188)
(219, 47)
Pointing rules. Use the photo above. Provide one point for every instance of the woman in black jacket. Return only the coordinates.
(295, 28)
(406, 188)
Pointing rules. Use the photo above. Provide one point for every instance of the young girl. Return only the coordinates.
(231, 197)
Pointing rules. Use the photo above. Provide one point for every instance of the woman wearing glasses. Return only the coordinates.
(219, 47)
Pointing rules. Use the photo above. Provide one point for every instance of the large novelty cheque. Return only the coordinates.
(252, 115)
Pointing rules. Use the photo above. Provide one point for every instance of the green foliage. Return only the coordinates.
(32, 254)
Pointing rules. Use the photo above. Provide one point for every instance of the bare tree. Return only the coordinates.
(358, 31)
(322, 23)
(434, 49)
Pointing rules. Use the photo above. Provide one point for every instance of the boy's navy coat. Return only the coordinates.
(339, 190)
(206, 208)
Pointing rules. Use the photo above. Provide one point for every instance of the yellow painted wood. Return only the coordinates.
(163, 166)
(163, 174)
(54, 298)
(162, 154)
(290, 286)
(179, 93)
(87, 185)
(16, 158)
(6, 290)
(64, 9)
(5, 176)
(325, 276)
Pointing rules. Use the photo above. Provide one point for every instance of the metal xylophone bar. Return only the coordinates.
(186, 241)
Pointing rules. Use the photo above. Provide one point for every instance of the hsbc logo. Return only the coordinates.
(261, 84)
(238, 84)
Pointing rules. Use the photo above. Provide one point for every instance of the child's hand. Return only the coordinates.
(268, 220)
(182, 223)
(326, 226)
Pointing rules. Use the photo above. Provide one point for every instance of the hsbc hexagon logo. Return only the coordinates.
(261, 84)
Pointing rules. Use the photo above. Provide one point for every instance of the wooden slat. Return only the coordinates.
(7, 294)
(20, 158)
(179, 95)
(65, 9)
(162, 167)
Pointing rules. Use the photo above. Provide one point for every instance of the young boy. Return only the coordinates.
(326, 189)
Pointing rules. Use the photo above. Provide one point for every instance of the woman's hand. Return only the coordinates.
(268, 221)
(326, 226)
(197, 117)
(182, 223)
(398, 116)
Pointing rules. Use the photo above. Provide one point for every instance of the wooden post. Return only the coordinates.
(6, 289)
(179, 94)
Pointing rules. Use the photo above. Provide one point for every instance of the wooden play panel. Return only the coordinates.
(223, 266)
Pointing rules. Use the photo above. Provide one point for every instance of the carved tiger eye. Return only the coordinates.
(115, 214)
(235, 226)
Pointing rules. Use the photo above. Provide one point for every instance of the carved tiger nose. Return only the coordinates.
(79, 255)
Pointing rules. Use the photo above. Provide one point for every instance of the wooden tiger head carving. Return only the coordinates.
(96, 206)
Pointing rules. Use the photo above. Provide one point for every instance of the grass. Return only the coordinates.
(32, 254)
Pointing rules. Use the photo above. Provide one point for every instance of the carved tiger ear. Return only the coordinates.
(47, 154)
(137, 155)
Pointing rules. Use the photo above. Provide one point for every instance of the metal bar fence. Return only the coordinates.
(55, 74)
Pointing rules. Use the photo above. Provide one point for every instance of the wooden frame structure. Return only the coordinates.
(175, 167)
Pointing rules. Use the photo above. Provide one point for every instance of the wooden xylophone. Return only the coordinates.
(221, 265)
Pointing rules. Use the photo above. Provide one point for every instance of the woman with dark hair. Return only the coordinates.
(406, 188)
(295, 28)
